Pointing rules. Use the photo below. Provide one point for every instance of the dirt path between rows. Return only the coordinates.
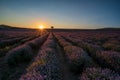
(67, 75)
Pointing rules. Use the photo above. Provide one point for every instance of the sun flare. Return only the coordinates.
(41, 27)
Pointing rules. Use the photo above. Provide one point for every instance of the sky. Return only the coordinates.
(74, 14)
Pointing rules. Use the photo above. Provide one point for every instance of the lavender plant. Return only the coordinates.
(99, 74)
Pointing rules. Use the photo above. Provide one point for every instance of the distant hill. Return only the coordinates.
(7, 27)
(109, 29)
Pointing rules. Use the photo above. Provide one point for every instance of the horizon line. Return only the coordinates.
(102, 27)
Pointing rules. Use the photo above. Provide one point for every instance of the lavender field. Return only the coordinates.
(59, 55)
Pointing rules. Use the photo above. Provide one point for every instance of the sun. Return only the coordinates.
(41, 27)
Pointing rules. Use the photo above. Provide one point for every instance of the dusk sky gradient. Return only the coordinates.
(60, 13)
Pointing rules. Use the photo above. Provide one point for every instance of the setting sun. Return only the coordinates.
(41, 27)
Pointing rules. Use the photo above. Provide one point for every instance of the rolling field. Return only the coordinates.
(60, 55)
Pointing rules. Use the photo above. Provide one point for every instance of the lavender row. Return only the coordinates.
(4, 35)
(77, 57)
(4, 50)
(108, 59)
(46, 65)
(23, 53)
(99, 74)
(10, 41)
(107, 40)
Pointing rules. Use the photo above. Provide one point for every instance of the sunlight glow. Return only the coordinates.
(41, 27)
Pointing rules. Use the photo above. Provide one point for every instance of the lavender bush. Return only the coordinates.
(111, 58)
(19, 55)
(37, 42)
(99, 74)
